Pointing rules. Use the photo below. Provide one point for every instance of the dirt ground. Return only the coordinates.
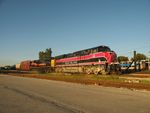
(126, 81)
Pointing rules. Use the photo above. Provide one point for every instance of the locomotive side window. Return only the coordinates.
(94, 50)
(102, 59)
(103, 49)
(107, 49)
(78, 53)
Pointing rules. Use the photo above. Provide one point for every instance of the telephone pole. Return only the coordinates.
(134, 52)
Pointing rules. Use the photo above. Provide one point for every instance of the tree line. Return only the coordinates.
(45, 56)
(138, 57)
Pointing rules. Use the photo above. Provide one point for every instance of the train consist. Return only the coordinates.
(97, 60)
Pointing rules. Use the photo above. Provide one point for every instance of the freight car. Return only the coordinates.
(34, 65)
(97, 60)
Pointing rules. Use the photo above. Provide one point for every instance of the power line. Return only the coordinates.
(130, 51)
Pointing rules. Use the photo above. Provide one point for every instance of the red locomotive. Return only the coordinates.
(94, 60)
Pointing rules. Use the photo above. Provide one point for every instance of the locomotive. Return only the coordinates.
(97, 60)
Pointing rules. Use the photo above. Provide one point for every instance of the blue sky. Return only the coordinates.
(29, 26)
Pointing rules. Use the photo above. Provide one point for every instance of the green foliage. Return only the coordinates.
(145, 81)
(140, 57)
(122, 58)
(45, 56)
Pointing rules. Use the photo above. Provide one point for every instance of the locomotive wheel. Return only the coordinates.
(88, 71)
(103, 72)
(56, 70)
(60, 70)
(46, 69)
(96, 72)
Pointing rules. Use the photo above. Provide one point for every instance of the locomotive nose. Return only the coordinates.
(113, 57)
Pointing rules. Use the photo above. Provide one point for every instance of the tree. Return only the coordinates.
(122, 58)
(45, 56)
(41, 55)
(140, 57)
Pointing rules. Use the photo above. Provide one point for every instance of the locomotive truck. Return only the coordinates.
(97, 60)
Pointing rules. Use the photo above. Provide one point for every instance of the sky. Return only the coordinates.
(30, 26)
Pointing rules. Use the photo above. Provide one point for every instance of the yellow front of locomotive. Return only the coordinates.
(53, 63)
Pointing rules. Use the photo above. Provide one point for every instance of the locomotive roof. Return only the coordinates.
(102, 46)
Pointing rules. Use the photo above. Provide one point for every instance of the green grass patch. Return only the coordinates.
(86, 77)
(108, 78)
(145, 81)
(144, 72)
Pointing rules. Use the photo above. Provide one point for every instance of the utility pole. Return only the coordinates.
(148, 61)
(134, 52)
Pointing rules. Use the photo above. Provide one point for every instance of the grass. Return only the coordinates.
(144, 72)
(107, 80)
(115, 78)
(82, 77)
(144, 81)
